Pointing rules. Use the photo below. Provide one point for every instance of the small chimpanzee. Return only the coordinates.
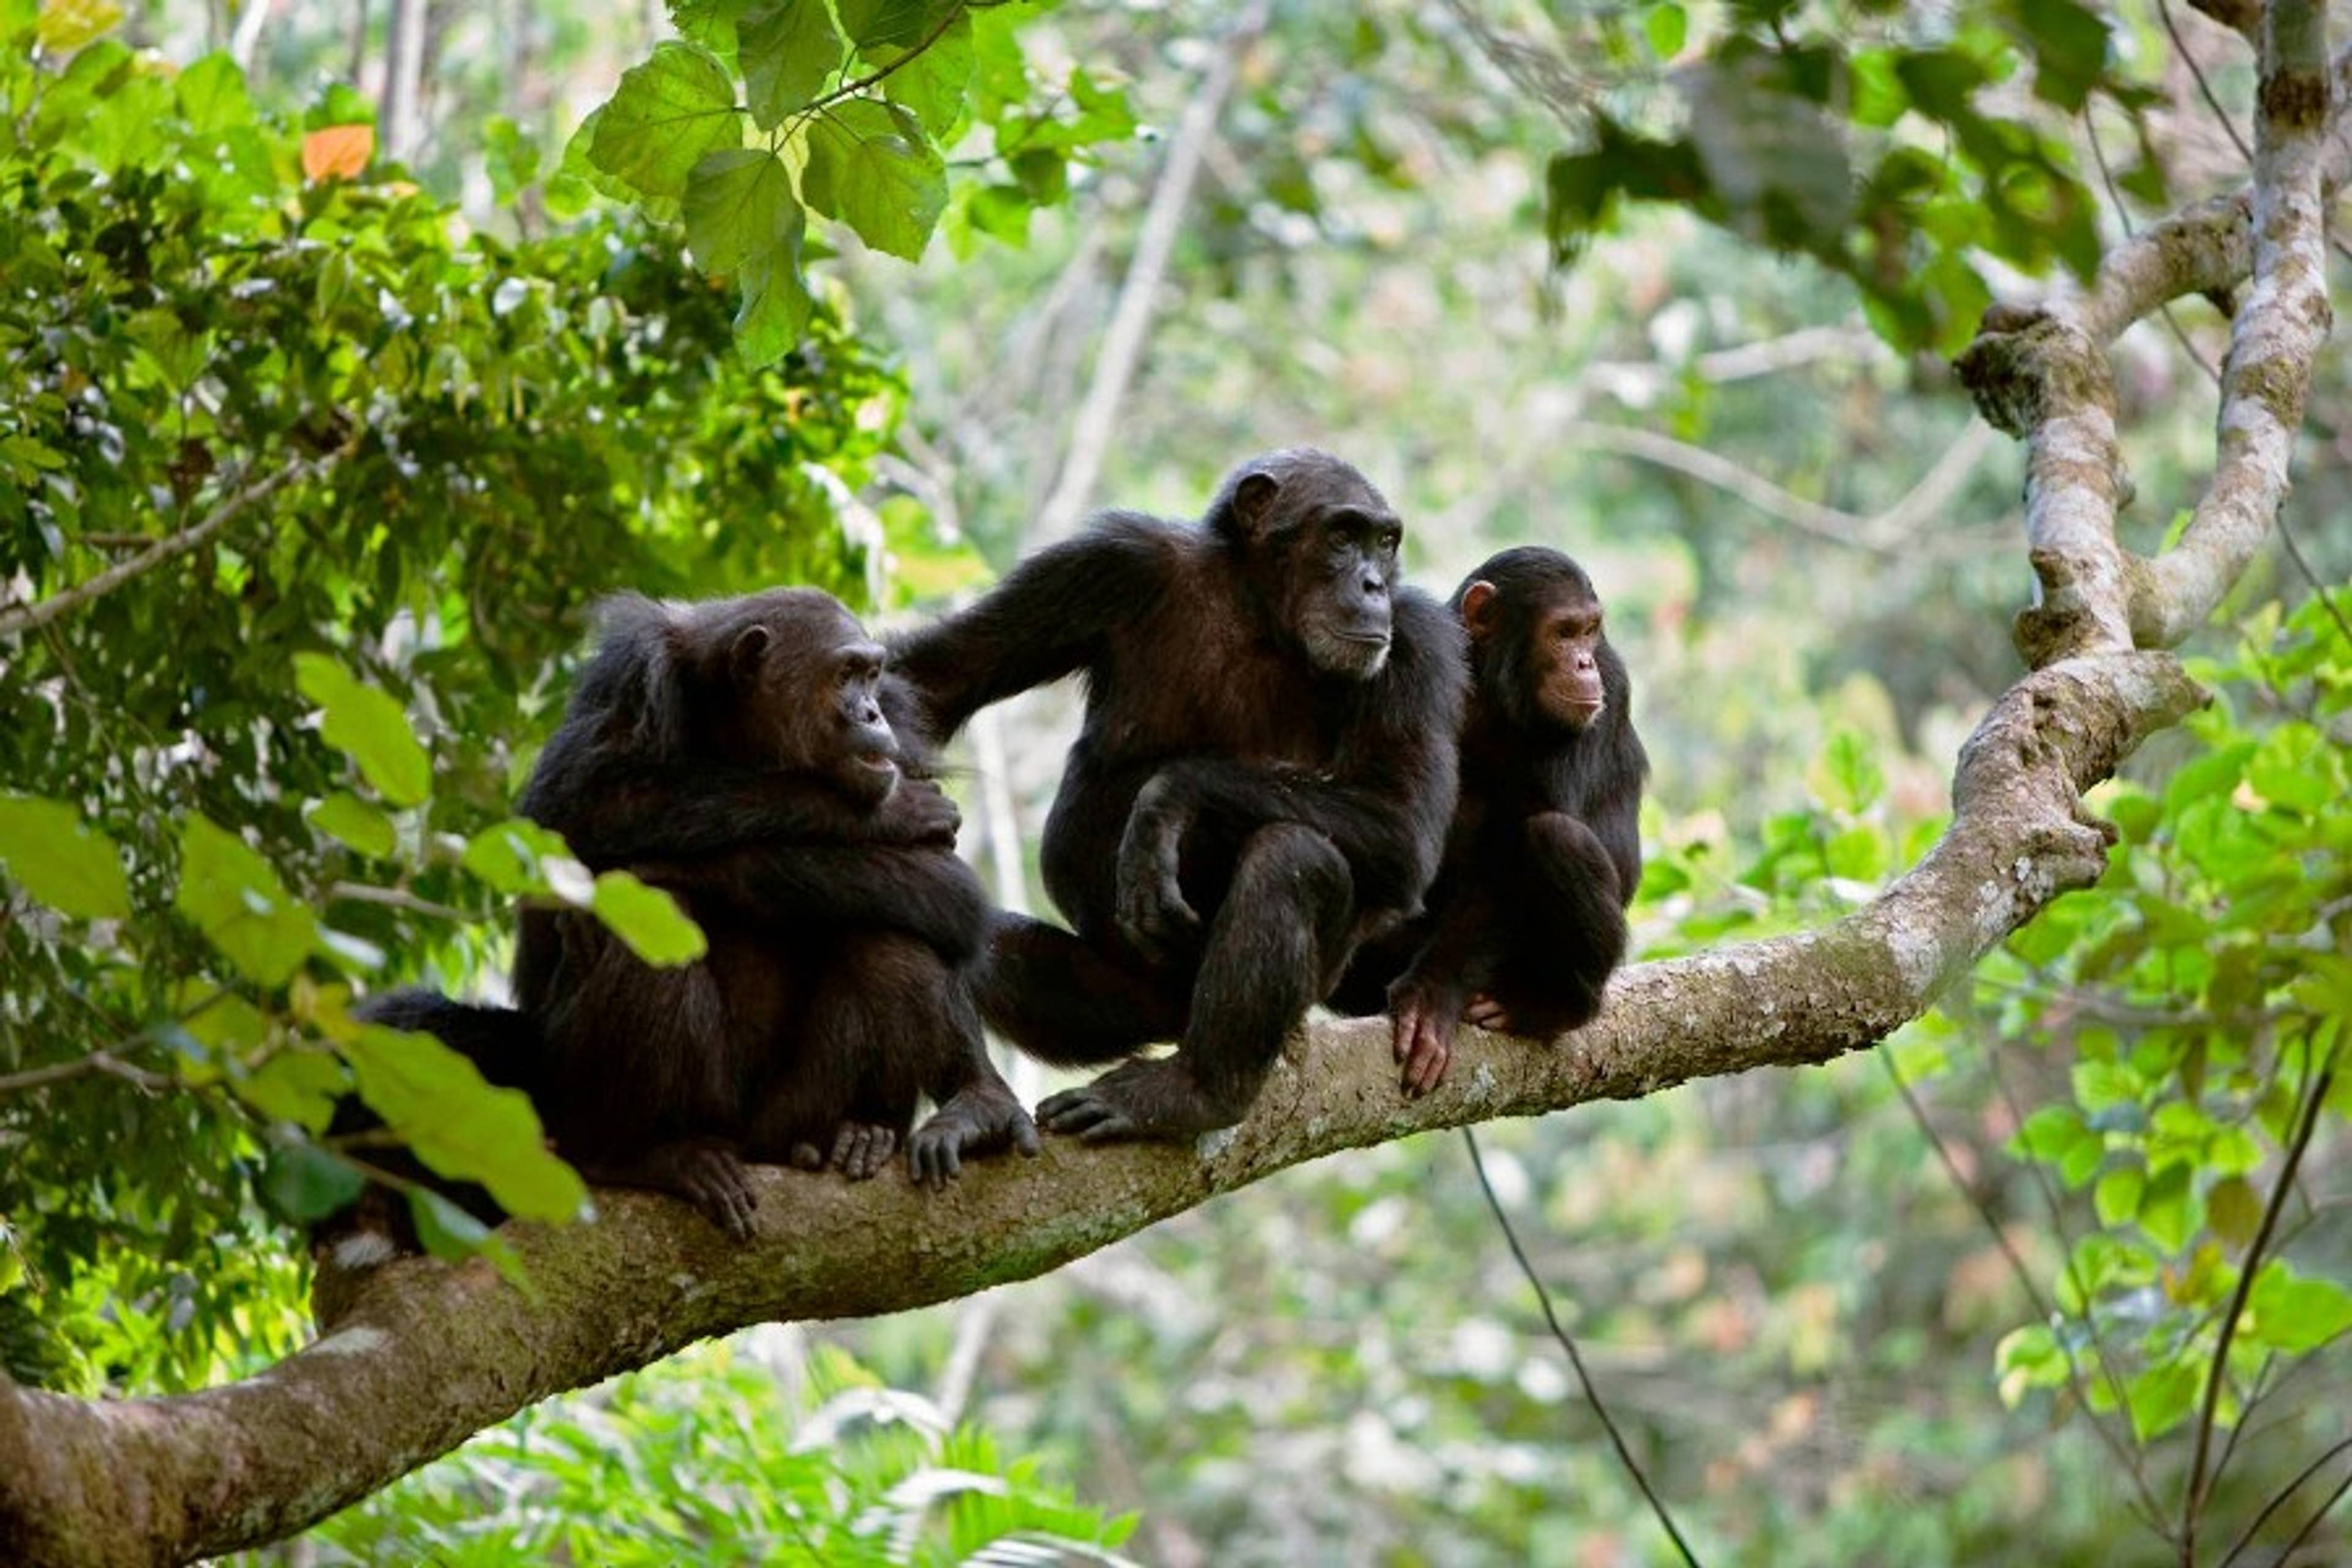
(1264, 775)
(1528, 915)
(737, 754)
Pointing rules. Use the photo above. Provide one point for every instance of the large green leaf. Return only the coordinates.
(370, 727)
(648, 920)
(739, 209)
(233, 897)
(871, 165)
(66, 865)
(894, 24)
(439, 1104)
(663, 118)
(932, 84)
(788, 50)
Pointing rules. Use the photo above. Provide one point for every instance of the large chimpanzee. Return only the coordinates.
(1264, 777)
(737, 754)
(1528, 915)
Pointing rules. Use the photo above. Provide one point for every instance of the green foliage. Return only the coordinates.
(2199, 998)
(848, 107)
(396, 458)
(702, 1459)
(1890, 150)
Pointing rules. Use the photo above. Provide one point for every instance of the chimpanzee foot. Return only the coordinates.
(861, 1149)
(1158, 1099)
(1488, 1014)
(707, 1175)
(979, 1120)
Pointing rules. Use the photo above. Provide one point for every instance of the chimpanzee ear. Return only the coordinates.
(750, 648)
(1478, 608)
(1254, 499)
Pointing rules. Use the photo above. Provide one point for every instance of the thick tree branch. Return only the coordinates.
(421, 1355)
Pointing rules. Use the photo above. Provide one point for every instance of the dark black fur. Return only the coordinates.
(1265, 775)
(737, 754)
(1527, 915)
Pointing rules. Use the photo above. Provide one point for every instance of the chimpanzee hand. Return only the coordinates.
(1489, 1013)
(1153, 913)
(1421, 1016)
(918, 812)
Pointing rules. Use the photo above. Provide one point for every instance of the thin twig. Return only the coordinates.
(396, 899)
(2294, 1542)
(2205, 88)
(41, 613)
(2278, 1500)
(1543, 1296)
(2199, 1483)
(101, 1061)
(2151, 1513)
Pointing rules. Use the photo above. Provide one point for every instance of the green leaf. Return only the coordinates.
(1846, 777)
(370, 727)
(511, 158)
(2117, 1196)
(739, 208)
(349, 820)
(298, 1086)
(2234, 1211)
(871, 166)
(212, 95)
(52, 855)
(666, 115)
(233, 897)
(2167, 1209)
(2050, 1133)
(932, 85)
(509, 855)
(1667, 27)
(2295, 1314)
(787, 50)
(449, 1231)
(776, 306)
(303, 1182)
(2161, 1397)
(900, 24)
(2296, 768)
(648, 920)
(438, 1103)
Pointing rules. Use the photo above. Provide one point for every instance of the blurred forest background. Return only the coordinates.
(1954, 1302)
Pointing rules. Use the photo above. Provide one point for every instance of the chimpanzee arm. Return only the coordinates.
(928, 894)
(616, 811)
(1387, 802)
(1045, 620)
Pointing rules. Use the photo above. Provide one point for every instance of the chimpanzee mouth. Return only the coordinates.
(877, 762)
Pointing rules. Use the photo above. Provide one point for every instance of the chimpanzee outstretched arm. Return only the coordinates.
(616, 811)
(928, 894)
(1043, 621)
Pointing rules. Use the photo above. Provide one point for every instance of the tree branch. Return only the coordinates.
(422, 1354)
(41, 612)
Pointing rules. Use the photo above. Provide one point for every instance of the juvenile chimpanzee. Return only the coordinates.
(1528, 915)
(737, 754)
(1264, 775)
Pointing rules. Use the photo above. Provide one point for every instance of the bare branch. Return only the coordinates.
(41, 612)
(422, 1354)
(105, 1062)
(1130, 321)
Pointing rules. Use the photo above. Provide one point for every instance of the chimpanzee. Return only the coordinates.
(1263, 777)
(1528, 915)
(737, 754)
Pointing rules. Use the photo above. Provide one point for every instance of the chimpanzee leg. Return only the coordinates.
(1571, 932)
(1066, 1000)
(1275, 946)
(977, 1111)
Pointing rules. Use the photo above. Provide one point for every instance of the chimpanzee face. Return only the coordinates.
(1330, 546)
(1539, 647)
(810, 682)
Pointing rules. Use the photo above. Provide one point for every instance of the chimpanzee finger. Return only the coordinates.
(1424, 1068)
(1113, 1125)
(807, 1157)
(1024, 1136)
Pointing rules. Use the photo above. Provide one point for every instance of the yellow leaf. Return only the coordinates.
(67, 24)
(338, 150)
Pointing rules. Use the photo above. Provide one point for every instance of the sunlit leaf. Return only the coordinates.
(233, 897)
(57, 859)
(370, 727)
(663, 118)
(648, 920)
(871, 166)
(440, 1105)
(787, 50)
(352, 821)
(67, 25)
